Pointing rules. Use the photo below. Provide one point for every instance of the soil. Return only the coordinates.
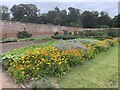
(15, 45)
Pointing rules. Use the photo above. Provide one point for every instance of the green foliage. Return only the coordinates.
(70, 33)
(99, 34)
(100, 72)
(75, 33)
(74, 17)
(116, 21)
(88, 19)
(25, 12)
(104, 19)
(42, 84)
(74, 24)
(56, 33)
(57, 21)
(113, 32)
(102, 26)
(23, 34)
(4, 13)
(36, 61)
(7, 40)
(64, 37)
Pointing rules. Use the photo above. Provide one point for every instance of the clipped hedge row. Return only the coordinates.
(48, 60)
(100, 33)
(97, 34)
(64, 37)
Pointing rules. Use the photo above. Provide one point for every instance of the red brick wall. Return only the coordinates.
(10, 28)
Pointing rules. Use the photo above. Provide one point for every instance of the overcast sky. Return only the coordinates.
(110, 6)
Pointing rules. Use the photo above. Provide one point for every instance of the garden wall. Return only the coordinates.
(10, 28)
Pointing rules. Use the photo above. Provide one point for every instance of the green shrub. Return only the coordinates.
(7, 40)
(23, 34)
(44, 84)
(75, 33)
(113, 32)
(56, 33)
(70, 33)
(99, 34)
(102, 26)
(64, 37)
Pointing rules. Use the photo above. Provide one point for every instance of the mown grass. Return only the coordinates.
(101, 72)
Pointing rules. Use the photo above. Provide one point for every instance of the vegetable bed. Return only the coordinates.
(52, 59)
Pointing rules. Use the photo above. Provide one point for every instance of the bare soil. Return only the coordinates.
(15, 45)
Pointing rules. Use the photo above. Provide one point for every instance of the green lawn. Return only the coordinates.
(101, 72)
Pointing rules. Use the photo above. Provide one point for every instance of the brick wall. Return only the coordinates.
(10, 28)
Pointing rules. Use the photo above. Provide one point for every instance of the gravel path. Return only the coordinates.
(15, 45)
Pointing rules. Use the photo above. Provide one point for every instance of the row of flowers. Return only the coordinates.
(50, 61)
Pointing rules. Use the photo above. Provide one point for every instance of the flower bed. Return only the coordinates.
(35, 62)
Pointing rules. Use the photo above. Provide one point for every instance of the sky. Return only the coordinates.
(110, 6)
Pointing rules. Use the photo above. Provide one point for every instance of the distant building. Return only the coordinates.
(119, 7)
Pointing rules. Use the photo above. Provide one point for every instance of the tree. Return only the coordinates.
(43, 19)
(51, 16)
(61, 18)
(57, 16)
(75, 24)
(58, 21)
(25, 12)
(89, 19)
(73, 15)
(4, 12)
(116, 21)
(104, 19)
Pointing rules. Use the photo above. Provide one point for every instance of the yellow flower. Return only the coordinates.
(37, 68)
(60, 63)
(23, 72)
(48, 63)
(23, 61)
(22, 57)
(21, 68)
(43, 59)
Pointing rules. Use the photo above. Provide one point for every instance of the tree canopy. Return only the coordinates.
(72, 17)
(24, 12)
(4, 13)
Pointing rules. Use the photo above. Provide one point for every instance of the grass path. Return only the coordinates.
(101, 72)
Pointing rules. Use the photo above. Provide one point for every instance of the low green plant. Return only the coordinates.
(23, 34)
(38, 61)
(56, 33)
(65, 37)
(43, 84)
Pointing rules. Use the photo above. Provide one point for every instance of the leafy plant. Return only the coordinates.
(43, 84)
(23, 34)
(38, 61)
(56, 33)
